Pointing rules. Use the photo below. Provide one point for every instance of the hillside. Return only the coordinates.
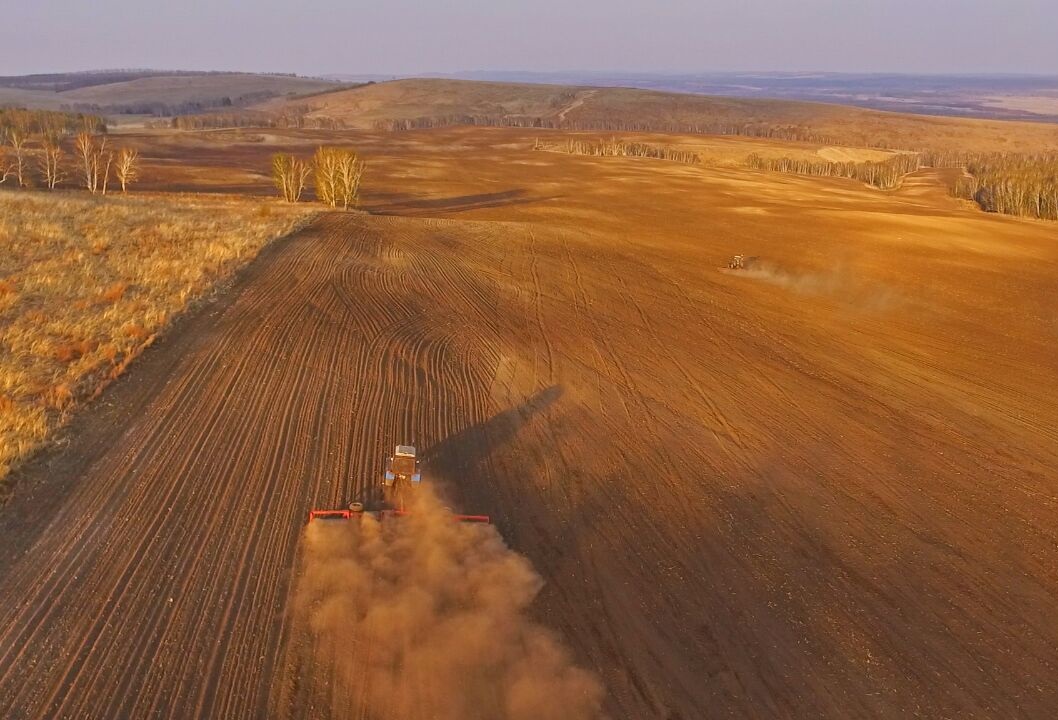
(426, 102)
(160, 93)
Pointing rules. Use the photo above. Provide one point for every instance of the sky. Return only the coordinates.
(404, 37)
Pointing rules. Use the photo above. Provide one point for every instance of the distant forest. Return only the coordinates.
(883, 174)
(62, 82)
(747, 129)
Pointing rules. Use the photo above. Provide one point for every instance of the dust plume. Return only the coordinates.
(425, 617)
(838, 283)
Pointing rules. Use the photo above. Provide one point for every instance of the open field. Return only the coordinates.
(822, 488)
(86, 284)
(237, 160)
(585, 108)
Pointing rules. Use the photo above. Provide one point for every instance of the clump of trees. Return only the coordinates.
(1023, 185)
(620, 148)
(49, 161)
(36, 122)
(293, 117)
(883, 174)
(38, 139)
(290, 175)
(336, 174)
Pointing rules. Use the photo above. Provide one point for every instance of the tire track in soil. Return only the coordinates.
(738, 506)
(158, 588)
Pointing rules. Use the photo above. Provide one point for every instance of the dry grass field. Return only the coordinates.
(824, 487)
(86, 284)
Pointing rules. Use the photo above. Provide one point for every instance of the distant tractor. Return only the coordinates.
(401, 477)
(741, 262)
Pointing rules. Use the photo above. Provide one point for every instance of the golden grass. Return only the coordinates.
(86, 284)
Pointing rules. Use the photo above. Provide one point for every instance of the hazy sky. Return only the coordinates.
(405, 36)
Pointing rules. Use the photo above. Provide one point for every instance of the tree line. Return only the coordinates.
(775, 131)
(336, 175)
(620, 148)
(293, 118)
(159, 108)
(34, 147)
(1023, 185)
(883, 174)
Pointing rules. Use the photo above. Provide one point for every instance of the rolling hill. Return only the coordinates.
(158, 93)
(437, 102)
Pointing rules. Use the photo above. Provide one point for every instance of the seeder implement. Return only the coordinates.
(358, 514)
(400, 482)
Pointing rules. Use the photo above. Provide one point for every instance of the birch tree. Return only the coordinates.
(350, 172)
(86, 150)
(127, 169)
(325, 166)
(338, 173)
(7, 169)
(290, 174)
(104, 160)
(17, 137)
(50, 162)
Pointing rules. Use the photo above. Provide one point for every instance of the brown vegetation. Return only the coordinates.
(290, 175)
(619, 148)
(96, 160)
(424, 103)
(127, 169)
(338, 173)
(291, 117)
(37, 137)
(153, 92)
(49, 162)
(885, 174)
(70, 320)
(1025, 185)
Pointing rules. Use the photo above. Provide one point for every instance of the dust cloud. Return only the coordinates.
(426, 617)
(837, 283)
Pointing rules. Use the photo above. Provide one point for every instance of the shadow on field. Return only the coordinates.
(398, 204)
(470, 447)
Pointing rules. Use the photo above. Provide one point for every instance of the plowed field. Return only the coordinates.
(825, 487)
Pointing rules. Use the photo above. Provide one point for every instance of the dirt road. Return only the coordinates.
(822, 490)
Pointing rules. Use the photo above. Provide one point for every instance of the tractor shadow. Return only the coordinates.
(487, 469)
(461, 456)
(403, 204)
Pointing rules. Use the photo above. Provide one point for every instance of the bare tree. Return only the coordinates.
(49, 161)
(290, 174)
(104, 160)
(96, 161)
(338, 174)
(127, 169)
(350, 171)
(86, 149)
(325, 165)
(17, 137)
(6, 168)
